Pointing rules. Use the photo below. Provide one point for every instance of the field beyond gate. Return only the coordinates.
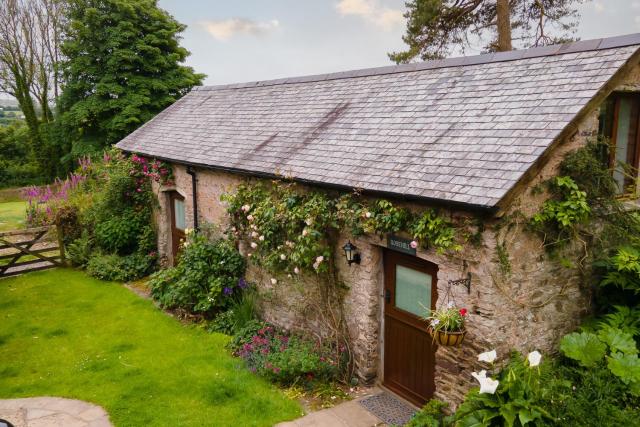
(30, 249)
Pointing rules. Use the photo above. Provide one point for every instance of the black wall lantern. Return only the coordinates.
(351, 254)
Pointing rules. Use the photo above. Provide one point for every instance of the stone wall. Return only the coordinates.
(521, 300)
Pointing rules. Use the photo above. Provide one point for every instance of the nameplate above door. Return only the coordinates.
(400, 244)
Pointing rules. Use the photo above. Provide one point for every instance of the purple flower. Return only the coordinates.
(227, 291)
(242, 283)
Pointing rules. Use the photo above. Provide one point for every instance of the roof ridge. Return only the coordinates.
(485, 58)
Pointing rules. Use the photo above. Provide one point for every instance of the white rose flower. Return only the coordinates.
(254, 245)
(368, 214)
(487, 384)
(488, 356)
(305, 232)
(319, 259)
(254, 234)
(261, 238)
(309, 221)
(296, 270)
(283, 257)
(249, 217)
(534, 358)
(274, 281)
(246, 208)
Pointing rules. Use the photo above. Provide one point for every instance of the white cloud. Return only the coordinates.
(371, 11)
(227, 28)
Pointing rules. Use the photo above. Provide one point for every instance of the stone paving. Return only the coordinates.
(53, 412)
(347, 414)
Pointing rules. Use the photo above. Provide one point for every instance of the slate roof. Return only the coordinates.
(458, 130)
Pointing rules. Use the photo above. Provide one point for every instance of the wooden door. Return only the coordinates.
(178, 223)
(409, 359)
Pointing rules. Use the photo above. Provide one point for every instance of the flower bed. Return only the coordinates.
(285, 358)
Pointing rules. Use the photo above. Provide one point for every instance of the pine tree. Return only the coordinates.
(434, 27)
(123, 66)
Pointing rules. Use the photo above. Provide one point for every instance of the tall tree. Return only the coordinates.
(435, 27)
(29, 53)
(123, 65)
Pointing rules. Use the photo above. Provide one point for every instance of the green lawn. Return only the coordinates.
(65, 334)
(12, 215)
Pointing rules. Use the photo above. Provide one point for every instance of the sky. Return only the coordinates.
(247, 40)
(235, 41)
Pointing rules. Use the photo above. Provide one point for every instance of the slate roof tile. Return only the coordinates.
(461, 130)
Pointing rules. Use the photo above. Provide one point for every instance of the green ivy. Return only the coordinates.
(569, 207)
(434, 231)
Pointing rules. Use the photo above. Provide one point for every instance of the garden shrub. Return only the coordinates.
(431, 415)
(241, 312)
(120, 268)
(79, 250)
(517, 401)
(577, 396)
(209, 273)
(285, 358)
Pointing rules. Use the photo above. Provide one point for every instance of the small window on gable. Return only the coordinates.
(619, 124)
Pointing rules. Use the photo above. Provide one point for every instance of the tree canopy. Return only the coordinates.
(435, 27)
(123, 65)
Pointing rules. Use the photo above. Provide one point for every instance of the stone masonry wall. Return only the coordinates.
(520, 299)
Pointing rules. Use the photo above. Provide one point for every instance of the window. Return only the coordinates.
(619, 124)
(413, 290)
(178, 209)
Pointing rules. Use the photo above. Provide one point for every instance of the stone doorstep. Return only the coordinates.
(53, 411)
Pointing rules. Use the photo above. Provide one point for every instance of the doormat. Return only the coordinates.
(388, 408)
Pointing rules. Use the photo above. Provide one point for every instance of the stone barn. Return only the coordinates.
(471, 137)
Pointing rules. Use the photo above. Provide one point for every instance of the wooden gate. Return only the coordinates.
(30, 249)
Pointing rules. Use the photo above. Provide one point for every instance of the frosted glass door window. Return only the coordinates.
(178, 208)
(625, 133)
(413, 290)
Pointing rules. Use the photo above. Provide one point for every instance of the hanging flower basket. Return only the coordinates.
(446, 338)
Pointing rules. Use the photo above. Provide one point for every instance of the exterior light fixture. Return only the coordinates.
(350, 253)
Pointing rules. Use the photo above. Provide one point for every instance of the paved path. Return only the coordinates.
(53, 412)
(348, 414)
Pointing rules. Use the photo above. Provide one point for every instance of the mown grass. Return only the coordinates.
(65, 334)
(12, 215)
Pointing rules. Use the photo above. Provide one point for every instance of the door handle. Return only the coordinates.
(387, 296)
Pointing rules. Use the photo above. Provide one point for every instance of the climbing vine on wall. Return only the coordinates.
(290, 231)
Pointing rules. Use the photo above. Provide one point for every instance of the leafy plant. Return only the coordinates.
(447, 319)
(588, 397)
(114, 267)
(623, 270)
(431, 230)
(568, 209)
(284, 358)
(611, 345)
(208, 275)
(516, 401)
(79, 251)
(241, 313)
(431, 415)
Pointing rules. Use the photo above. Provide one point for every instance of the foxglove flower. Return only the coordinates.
(413, 244)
